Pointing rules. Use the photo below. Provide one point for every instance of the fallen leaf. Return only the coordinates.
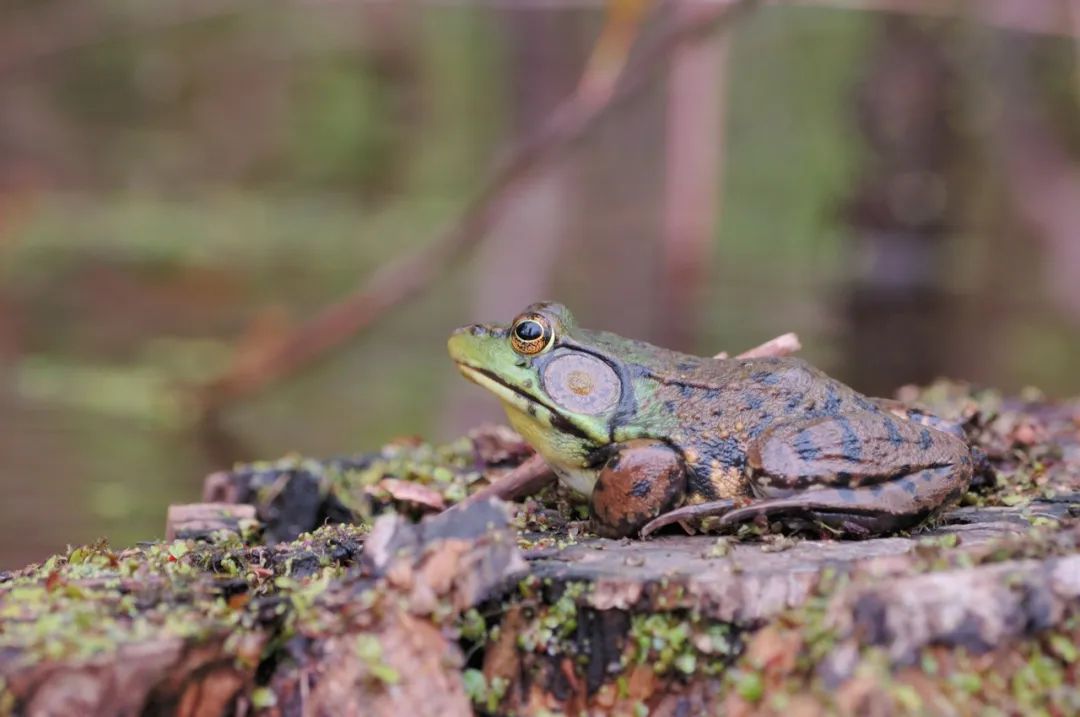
(409, 492)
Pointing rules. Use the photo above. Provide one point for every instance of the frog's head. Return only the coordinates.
(562, 390)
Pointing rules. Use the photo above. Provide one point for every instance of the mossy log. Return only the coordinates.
(472, 611)
(340, 621)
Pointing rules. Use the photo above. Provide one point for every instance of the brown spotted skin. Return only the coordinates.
(803, 448)
(641, 480)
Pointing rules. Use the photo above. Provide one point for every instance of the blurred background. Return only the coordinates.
(232, 230)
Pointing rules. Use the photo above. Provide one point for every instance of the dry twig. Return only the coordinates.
(783, 345)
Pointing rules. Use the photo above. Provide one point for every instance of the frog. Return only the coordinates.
(651, 436)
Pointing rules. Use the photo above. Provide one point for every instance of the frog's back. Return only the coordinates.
(721, 406)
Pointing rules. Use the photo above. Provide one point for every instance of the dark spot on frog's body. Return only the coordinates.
(843, 478)
(768, 378)
(794, 402)
(852, 446)
(728, 452)
(909, 485)
(866, 405)
(759, 428)
(925, 439)
(686, 365)
(877, 489)
(805, 448)
(699, 484)
(670, 406)
(832, 402)
(641, 488)
(753, 401)
(686, 390)
(561, 423)
(847, 495)
(894, 433)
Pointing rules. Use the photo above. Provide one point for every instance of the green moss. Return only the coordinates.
(1029, 675)
(472, 626)
(483, 695)
(93, 600)
(369, 650)
(749, 685)
(548, 631)
(680, 642)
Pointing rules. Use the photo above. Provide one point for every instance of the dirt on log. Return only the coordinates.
(368, 585)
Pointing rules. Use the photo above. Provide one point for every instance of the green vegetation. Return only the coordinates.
(93, 600)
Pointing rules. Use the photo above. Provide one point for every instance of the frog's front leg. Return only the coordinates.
(860, 475)
(640, 480)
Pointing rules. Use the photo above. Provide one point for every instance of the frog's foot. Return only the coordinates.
(639, 481)
(861, 511)
(688, 513)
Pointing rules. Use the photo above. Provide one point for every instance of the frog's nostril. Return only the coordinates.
(478, 330)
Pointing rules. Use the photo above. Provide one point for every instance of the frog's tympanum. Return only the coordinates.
(645, 432)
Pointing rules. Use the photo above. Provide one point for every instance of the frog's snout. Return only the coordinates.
(458, 340)
(465, 339)
(477, 330)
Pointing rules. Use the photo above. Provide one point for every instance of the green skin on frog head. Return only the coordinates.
(642, 430)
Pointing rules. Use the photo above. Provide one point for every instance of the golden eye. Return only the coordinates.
(531, 335)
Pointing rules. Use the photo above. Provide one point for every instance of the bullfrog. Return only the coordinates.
(651, 436)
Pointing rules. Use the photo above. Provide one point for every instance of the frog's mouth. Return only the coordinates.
(505, 391)
(524, 402)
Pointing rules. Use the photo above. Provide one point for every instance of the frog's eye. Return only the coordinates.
(531, 335)
(582, 383)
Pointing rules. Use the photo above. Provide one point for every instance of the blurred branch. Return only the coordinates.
(405, 279)
(63, 26)
(694, 159)
(608, 58)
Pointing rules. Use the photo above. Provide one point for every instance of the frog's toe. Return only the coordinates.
(688, 513)
(862, 511)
